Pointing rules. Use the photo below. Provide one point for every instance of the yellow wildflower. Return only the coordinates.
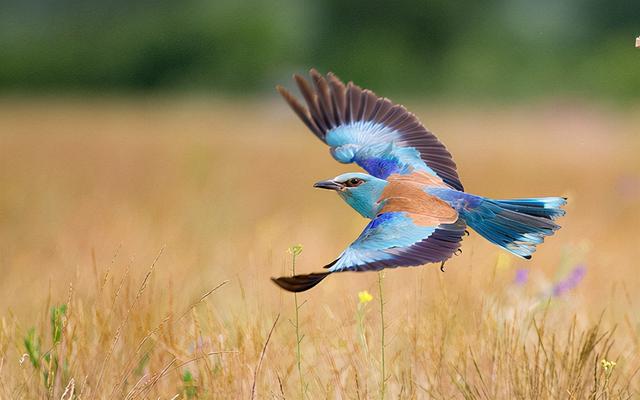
(364, 297)
(607, 365)
(295, 250)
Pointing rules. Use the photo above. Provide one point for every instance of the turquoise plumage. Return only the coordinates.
(412, 192)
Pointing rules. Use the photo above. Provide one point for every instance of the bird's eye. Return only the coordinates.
(354, 182)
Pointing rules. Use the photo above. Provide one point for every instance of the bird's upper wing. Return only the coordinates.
(413, 228)
(381, 137)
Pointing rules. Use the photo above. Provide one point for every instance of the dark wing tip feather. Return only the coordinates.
(325, 104)
(300, 283)
(301, 111)
(315, 74)
(311, 98)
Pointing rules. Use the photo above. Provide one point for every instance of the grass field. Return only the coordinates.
(137, 239)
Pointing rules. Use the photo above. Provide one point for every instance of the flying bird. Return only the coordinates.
(411, 192)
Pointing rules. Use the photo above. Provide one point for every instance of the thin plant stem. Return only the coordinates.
(382, 366)
(264, 350)
(294, 253)
(361, 329)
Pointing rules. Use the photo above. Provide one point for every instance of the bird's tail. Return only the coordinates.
(517, 225)
(300, 283)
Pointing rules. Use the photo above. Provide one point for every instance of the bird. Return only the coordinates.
(411, 192)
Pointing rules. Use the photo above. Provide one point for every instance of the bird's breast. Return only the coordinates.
(406, 193)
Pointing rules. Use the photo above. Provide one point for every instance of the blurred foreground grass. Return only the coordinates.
(118, 218)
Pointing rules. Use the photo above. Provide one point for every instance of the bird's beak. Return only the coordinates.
(330, 184)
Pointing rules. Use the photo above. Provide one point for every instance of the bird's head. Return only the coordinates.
(359, 190)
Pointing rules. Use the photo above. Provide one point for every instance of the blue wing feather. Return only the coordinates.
(392, 239)
(373, 147)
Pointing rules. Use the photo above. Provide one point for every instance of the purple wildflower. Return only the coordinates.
(570, 282)
(522, 276)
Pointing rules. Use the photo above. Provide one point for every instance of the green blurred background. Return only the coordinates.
(496, 49)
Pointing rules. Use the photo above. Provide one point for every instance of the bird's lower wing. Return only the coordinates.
(392, 239)
(395, 239)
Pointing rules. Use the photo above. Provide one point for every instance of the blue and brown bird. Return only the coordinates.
(412, 193)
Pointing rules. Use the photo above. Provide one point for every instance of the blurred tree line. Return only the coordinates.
(493, 48)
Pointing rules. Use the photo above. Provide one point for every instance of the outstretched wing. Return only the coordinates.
(392, 239)
(379, 136)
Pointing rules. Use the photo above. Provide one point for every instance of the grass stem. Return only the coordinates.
(295, 251)
(382, 344)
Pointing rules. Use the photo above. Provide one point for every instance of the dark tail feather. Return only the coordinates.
(517, 225)
(300, 283)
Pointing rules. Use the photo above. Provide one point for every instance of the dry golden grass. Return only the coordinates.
(119, 218)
